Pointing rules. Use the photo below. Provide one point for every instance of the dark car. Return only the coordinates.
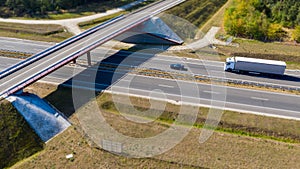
(178, 66)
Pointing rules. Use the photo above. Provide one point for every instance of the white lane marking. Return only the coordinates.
(125, 80)
(215, 102)
(211, 92)
(292, 74)
(109, 90)
(9, 46)
(251, 81)
(162, 85)
(71, 47)
(226, 87)
(36, 49)
(86, 75)
(43, 63)
(32, 43)
(8, 58)
(208, 106)
(258, 98)
(216, 71)
(97, 34)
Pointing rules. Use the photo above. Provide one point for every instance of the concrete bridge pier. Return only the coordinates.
(89, 60)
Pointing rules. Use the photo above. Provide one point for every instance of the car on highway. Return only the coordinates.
(178, 66)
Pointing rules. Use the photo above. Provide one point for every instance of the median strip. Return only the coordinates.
(177, 75)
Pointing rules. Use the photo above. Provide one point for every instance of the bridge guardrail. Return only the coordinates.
(67, 59)
(56, 47)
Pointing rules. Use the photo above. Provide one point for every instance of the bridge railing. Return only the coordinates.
(47, 70)
(67, 59)
(54, 48)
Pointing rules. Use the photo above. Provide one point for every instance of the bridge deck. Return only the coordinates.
(27, 73)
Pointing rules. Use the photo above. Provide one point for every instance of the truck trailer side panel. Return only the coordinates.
(260, 67)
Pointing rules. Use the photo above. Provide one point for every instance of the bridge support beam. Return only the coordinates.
(154, 31)
(89, 60)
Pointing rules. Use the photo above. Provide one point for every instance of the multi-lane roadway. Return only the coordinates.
(201, 67)
(12, 81)
(118, 80)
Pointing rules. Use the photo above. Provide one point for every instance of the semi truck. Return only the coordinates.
(262, 66)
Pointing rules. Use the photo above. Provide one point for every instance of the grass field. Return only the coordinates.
(53, 33)
(80, 11)
(18, 140)
(92, 23)
(216, 19)
(195, 13)
(249, 48)
(241, 140)
(274, 51)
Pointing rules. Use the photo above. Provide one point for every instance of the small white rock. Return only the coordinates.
(69, 156)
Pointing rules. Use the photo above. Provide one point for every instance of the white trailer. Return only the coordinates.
(263, 66)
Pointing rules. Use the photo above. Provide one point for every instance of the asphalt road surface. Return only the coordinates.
(229, 98)
(22, 77)
(202, 67)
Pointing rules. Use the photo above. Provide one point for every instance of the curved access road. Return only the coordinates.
(72, 24)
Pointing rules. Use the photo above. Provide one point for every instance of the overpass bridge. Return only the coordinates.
(40, 65)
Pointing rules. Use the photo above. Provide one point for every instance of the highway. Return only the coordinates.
(242, 100)
(237, 99)
(20, 78)
(201, 67)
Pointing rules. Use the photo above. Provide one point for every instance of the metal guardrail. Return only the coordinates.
(187, 76)
(75, 55)
(54, 48)
(252, 83)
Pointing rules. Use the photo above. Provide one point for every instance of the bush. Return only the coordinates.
(296, 34)
(260, 19)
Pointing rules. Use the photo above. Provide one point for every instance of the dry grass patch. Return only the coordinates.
(92, 23)
(53, 33)
(18, 140)
(31, 29)
(222, 150)
(216, 19)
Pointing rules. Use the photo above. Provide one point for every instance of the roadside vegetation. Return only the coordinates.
(18, 141)
(240, 140)
(56, 9)
(231, 122)
(262, 20)
(282, 24)
(57, 33)
(197, 11)
(287, 52)
(280, 27)
(92, 23)
(192, 14)
(53, 33)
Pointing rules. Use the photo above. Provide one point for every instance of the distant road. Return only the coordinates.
(22, 75)
(211, 68)
(72, 24)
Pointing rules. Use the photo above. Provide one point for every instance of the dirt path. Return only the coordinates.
(72, 24)
(208, 39)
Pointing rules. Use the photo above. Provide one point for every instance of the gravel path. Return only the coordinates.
(72, 24)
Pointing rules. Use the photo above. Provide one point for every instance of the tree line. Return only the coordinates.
(38, 7)
(262, 19)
